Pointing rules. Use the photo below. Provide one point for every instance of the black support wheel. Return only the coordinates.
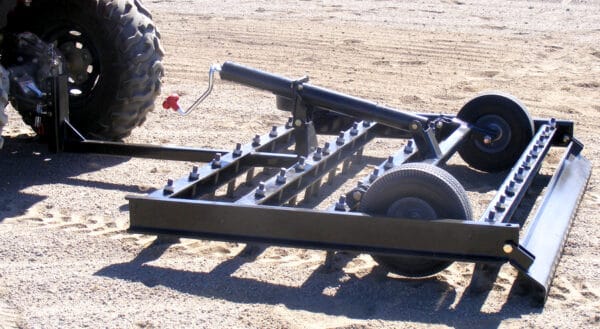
(416, 191)
(510, 126)
(113, 59)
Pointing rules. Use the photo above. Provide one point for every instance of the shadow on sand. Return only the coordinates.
(374, 296)
(26, 162)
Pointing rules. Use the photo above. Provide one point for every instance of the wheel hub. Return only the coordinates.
(412, 208)
(79, 61)
(502, 133)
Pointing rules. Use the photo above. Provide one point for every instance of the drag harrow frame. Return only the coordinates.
(413, 225)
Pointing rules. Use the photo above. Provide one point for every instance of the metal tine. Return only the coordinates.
(250, 176)
(397, 159)
(306, 173)
(293, 201)
(345, 166)
(209, 173)
(231, 189)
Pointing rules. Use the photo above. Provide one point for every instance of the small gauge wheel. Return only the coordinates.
(416, 191)
(510, 130)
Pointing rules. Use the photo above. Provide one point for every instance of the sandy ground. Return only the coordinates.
(66, 260)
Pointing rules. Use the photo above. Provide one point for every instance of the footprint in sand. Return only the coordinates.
(488, 74)
(9, 316)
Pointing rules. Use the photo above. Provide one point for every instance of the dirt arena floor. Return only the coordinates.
(66, 259)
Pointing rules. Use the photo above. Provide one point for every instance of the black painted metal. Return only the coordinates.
(548, 230)
(188, 206)
(321, 97)
(519, 179)
(284, 186)
(178, 153)
(55, 120)
(460, 240)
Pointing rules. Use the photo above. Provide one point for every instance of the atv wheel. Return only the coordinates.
(4, 85)
(113, 58)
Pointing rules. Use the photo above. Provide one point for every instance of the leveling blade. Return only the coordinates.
(548, 231)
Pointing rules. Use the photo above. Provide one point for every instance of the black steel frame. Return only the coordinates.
(264, 212)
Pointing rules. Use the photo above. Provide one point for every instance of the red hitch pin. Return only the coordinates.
(172, 102)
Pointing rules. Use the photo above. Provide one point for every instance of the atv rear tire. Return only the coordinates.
(4, 85)
(113, 57)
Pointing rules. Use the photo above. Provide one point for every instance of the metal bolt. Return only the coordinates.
(439, 124)
(535, 151)
(527, 163)
(519, 176)
(540, 142)
(510, 189)
(357, 195)
(566, 139)
(273, 132)
(542, 138)
(194, 173)
(298, 123)
(366, 124)
(216, 162)
(409, 147)
(168, 189)
(260, 190)
(281, 177)
(507, 248)
(374, 175)
(238, 150)
(300, 87)
(414, 125)
(491, 216)
(354, 130)
(545, 132)
(389, 164)
(301, 164)
(341, 204)
(289, 123)
(256, 140)
(501, 205)
(487, 140)
(340, 140)
(318, 154)
(326, 150)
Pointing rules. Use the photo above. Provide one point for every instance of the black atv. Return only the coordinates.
(109, 49)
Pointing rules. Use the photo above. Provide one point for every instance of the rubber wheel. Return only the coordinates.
(505, 115)
(416, 191)
(113, 58)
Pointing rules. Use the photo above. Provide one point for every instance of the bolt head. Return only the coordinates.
(507, 248)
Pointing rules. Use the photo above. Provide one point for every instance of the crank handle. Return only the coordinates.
(172, 102)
